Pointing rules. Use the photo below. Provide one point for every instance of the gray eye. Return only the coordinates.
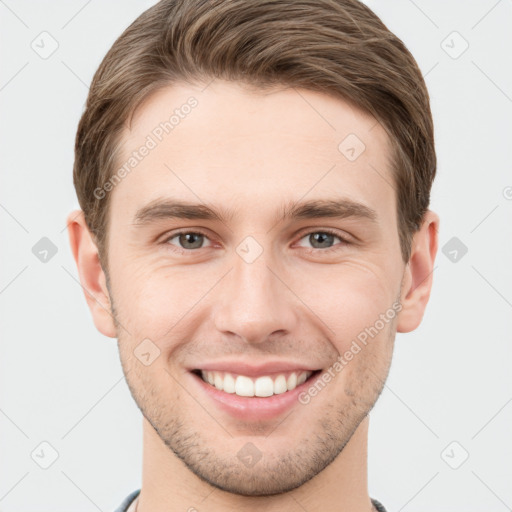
(321, 239)
(189, 240)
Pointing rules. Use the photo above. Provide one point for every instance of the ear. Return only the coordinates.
(91, 273)
(417, 280)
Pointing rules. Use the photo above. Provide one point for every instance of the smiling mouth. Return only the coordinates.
(262, 386)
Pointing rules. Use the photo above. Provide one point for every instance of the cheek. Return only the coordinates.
(152, 386)
(348, 297)
(151, 299)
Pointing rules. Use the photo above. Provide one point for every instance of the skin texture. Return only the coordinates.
(251, 152)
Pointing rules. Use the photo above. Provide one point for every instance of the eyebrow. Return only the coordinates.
(160, 209)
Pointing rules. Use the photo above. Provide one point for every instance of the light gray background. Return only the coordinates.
(450, 381)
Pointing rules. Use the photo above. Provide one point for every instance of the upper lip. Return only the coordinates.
(252, 370)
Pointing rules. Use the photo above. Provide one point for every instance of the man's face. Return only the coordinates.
(259, 286)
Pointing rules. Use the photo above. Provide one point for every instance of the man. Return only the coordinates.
(254, 181)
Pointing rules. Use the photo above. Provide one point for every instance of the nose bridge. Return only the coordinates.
(255, 302)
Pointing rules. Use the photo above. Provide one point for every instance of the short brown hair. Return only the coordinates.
(338, 47)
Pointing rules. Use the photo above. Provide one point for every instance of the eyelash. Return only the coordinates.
(309, 250)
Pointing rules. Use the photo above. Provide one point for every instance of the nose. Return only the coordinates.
(255, 301)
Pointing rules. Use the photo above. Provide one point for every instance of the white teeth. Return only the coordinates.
(302, 378)
(280, 385)
(291, 383)
(218, 381)
(229, 383)
(244, 386)
(262, 386)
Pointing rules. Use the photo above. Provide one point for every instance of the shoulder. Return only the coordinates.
(127, 501)
(377, 504)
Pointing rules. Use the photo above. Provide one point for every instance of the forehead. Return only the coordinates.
(225, 143)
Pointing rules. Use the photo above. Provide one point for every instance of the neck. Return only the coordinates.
(168, 485)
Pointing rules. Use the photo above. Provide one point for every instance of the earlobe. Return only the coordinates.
(418, 275)
(92, 276)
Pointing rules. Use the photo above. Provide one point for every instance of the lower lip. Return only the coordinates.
(254, 408)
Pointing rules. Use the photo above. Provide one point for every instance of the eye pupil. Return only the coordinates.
(320, 237)
(184, 239)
